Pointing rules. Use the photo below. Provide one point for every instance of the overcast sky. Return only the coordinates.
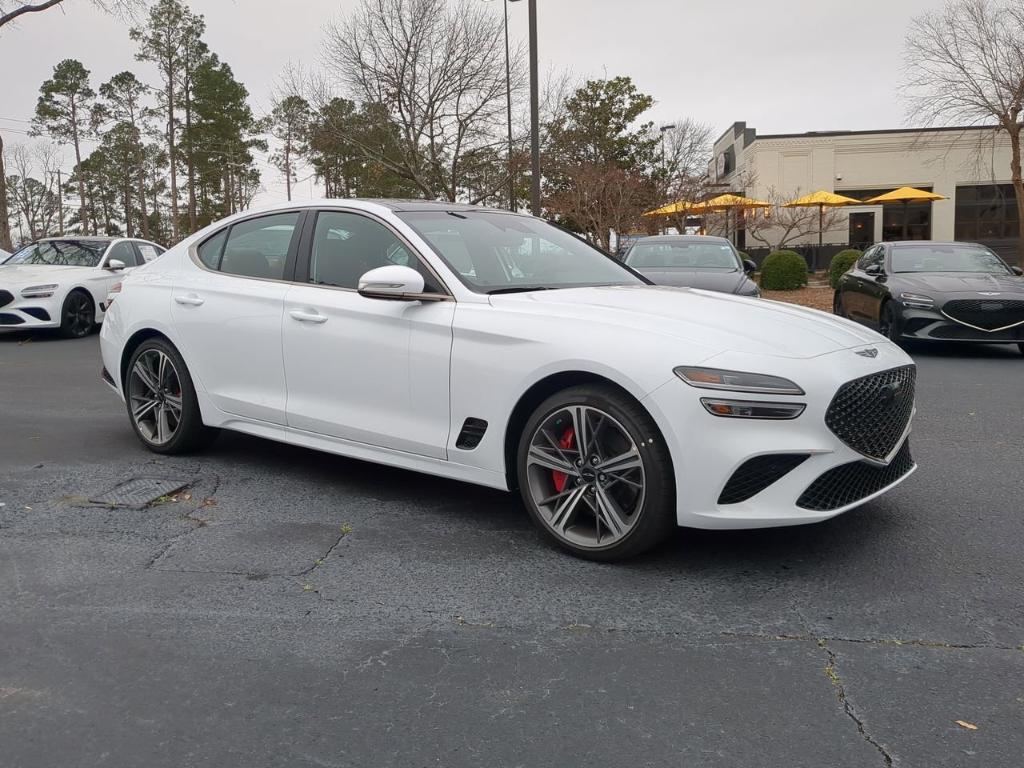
(781, 65)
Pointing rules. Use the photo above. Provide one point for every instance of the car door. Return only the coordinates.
(876, 288)
(856, 285)
(226, 307)
(373, 371)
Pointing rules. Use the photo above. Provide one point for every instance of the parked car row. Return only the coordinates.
(497, 349)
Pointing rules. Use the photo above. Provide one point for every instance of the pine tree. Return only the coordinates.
(63, 111)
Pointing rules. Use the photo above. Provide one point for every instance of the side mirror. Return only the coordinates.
(749, 266)
(1018, 271)
(392, 282)
(874, 269)
(116, 265)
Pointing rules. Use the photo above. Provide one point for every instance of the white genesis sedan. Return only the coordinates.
(63, 282)
(498, 349)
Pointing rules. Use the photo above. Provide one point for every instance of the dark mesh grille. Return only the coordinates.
(756, 474)
(849, 483)
(986, 313)
(5, 298)
(870, 414)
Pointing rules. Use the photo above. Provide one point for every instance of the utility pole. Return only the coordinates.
(534, 115)
(60, 203)
(508, 103)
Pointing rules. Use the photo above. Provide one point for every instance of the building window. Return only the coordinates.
(986, 212)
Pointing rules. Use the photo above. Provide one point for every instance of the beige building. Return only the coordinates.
(970, 166)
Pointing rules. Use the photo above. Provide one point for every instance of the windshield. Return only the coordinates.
(503, 252)
(63, 253)
(686, 254)
(948, 258)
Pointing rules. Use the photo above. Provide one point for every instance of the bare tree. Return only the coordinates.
(438, 71)
(10, 12)
(683, 176)
(965, 64)
(778, 227)
(601, 198)
(32, 186)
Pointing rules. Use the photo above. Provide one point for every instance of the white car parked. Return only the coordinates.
(63, 282)
(498, 349)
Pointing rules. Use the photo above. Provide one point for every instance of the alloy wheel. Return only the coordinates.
(78, 316)
(154, 392)
(586, 476)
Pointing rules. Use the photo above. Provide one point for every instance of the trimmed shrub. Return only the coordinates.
(841, 264)
(783, 271)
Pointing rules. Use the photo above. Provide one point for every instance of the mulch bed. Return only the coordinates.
(815, 297)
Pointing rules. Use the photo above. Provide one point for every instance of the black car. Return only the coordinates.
(935, 292)
(693, 261)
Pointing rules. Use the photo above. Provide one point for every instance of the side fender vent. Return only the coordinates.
(471, 435)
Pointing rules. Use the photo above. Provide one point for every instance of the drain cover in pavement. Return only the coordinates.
(138, 492)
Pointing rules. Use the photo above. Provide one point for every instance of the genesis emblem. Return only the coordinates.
(869, 352)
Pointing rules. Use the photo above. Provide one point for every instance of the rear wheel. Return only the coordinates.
(77, 315)
(595, 474)
(162, 402)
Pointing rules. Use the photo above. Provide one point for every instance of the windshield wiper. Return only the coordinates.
(519, 289)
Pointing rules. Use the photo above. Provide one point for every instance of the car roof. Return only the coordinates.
(924, 243)
(84, 239)
(684, 239)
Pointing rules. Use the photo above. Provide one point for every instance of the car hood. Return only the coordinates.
(717, 321)
(949, 282)
(710, 280)
(35, 274)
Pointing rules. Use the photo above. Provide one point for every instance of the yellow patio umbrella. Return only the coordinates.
(728, 202)
(822, 199)
(681, 206)
(905, 195)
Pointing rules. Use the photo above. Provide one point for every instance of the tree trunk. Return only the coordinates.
(5, 224)
(288, 167)
(190, 154)
(142, 201)
(175, 231)
(1018, 187)
(129, 232)
(78, 169)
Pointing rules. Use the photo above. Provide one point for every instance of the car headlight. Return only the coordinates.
(38, 291)
(737, 381)
(918, 300)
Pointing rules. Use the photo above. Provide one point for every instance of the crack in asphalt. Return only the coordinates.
(840, 687)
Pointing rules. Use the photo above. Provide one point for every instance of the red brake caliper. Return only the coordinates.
(560, 478)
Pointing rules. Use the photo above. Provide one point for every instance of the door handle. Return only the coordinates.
(308, 317)
(190, 300)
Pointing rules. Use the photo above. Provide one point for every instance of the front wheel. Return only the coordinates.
(595, 474)
(888, 323)
(162, 402)
(77, 315)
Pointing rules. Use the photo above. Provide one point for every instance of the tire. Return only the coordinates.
(77, 315)
(608, 515)
(888, 323)
(166, 419)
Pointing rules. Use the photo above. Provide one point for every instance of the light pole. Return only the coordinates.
(534, 113)
(508, 105)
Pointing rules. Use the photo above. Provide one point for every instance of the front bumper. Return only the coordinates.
(827, 477)
(933, 325)
(17, 313)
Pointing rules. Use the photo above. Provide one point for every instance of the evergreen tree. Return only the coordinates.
(63, 111)
(289, 123)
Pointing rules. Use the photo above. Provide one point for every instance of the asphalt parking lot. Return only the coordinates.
(290, 608)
